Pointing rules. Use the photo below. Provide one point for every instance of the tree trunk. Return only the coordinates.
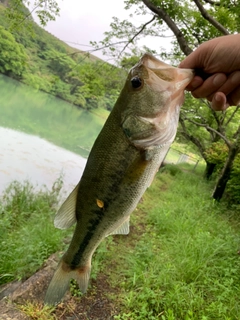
(225, 174)
(209, 170)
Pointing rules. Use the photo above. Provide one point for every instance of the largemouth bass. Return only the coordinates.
(122, 164)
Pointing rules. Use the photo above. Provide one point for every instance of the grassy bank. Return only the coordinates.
(27, 233)
(185, 265)
(179, 262)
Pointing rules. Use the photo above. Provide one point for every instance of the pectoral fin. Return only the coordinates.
(123, 229)
(66, 215)
(145, 133)
(138, 129)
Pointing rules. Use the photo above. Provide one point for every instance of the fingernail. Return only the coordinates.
(217, 98)
(219, 80)
(219, 102)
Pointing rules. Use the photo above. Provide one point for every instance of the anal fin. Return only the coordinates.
(122, 229)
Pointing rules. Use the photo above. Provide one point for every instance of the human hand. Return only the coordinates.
(220, 59)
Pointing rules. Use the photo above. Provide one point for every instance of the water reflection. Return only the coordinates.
(28, 110)
(24, 156)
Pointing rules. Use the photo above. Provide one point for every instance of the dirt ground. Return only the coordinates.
(96, 304)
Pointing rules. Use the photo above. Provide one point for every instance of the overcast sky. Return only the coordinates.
(84, 21)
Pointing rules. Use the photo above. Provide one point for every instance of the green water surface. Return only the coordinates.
(26, 109)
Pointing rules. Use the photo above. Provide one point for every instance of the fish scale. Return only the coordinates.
(121, 166)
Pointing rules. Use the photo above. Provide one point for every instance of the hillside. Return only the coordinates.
(37, 58)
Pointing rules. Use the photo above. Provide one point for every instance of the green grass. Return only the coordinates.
(179, 262)
(27, 233)
(185, 264)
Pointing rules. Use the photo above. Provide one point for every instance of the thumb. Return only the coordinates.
(190, 62)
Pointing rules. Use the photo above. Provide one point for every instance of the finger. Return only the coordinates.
(234, 98)
(233, 81)
(210, 86)
(219, 102)
(195, 83)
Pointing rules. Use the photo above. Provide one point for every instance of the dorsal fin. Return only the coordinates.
(66, 215)
(123, 229)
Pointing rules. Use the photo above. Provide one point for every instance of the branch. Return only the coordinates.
(30, 13)
(192, 138)
(171, 24)
(237, 134)
(232, 115)
(214, 3)
(18, 4)
(107, 46)
(211, 129)
(214, 113)
(143, 27)
(218, 4)
(209, 18)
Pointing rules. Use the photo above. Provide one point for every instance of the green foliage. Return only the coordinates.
(218, 153)
(128, 62)
(19, 15)
(184, 14)
(233, 186)
(172, 169)
(27, 233)
(54, 67)
(12, 54)
(74, 289)
(37, 82)
(101, 83)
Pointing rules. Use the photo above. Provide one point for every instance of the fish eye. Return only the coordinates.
(136, 82)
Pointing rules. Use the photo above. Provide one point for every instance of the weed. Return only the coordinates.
(172, 169)
(185, 266)
(74, 289)
(27, 233)
(38, 312)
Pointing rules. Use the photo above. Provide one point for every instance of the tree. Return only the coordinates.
(226, 171)
(18, 14)
(203, 126)
(12, 54)
(190, 23)
(128, 62)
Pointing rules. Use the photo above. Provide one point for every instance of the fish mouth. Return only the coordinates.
(179, 77)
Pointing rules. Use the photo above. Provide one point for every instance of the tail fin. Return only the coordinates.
(61, 279)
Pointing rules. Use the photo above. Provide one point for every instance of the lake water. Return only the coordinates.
(28, 157)
(42, 137)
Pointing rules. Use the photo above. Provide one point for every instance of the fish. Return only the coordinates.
(122, 164)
